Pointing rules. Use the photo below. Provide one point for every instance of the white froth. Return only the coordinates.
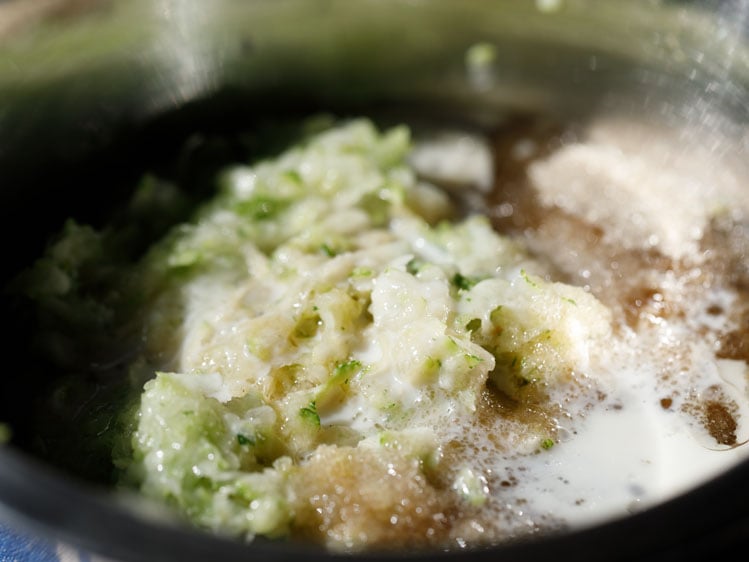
(455, 159)
(644, 188)
(619, 192)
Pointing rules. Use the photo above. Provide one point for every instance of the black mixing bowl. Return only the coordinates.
(93, 92)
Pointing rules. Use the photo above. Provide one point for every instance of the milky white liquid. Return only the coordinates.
(621, 460)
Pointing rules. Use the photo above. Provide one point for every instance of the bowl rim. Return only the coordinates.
(37, 498)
